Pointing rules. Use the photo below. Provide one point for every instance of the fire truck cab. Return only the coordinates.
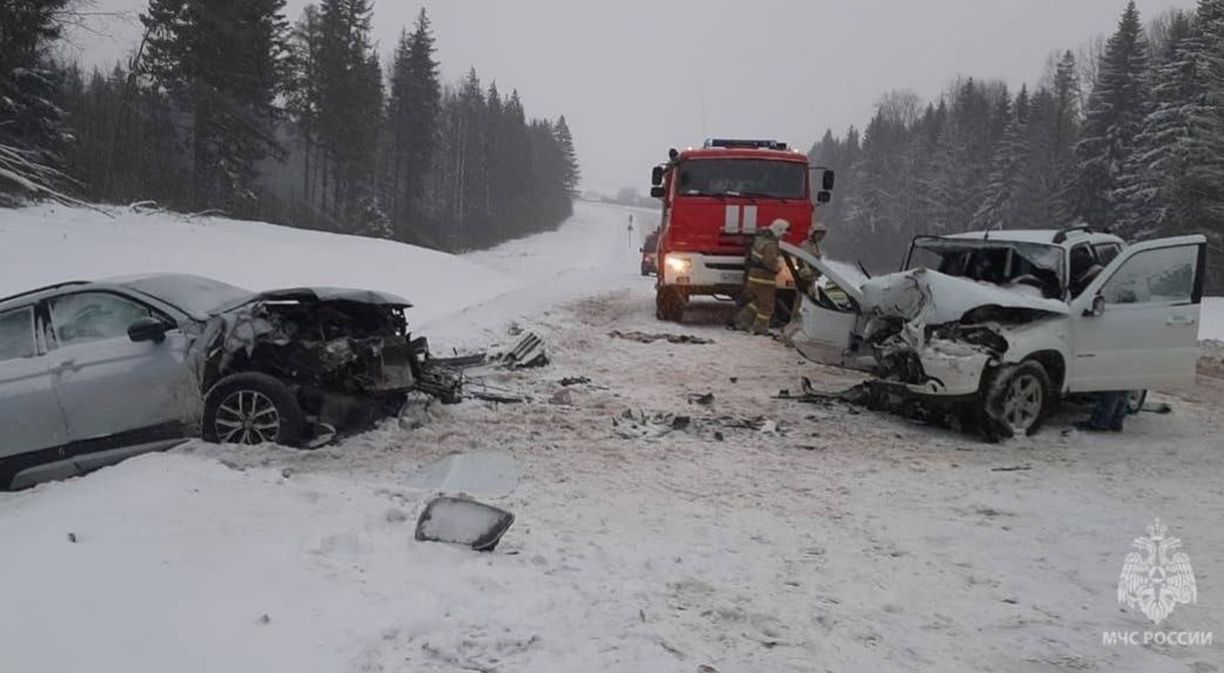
(715, 200)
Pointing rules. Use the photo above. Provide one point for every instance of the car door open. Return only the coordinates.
(1136, 326)
(825, 328)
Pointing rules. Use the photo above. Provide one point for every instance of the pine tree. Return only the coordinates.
(1116, 110)
(33, 134)
(350, 113)
(304, 98)
(413, 118)
(1004, 191)
(572, 175)
(1150, 187)
(224, 63)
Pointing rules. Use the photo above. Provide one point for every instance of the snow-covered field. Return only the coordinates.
(764, 536)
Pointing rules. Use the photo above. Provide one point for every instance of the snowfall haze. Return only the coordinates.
(635, 77)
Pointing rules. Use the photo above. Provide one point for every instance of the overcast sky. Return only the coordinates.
(634, 77)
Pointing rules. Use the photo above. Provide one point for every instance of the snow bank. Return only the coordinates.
(48, 244)
(172, 555)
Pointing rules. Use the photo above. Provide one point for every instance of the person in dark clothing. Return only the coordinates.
(1109, 414)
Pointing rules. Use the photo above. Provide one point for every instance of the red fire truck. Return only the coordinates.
(715, 199)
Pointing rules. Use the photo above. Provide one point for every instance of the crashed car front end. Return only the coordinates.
(938, 335)
(336, 344)
(347, 355)
(921, 332)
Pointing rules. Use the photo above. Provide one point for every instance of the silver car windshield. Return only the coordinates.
(192, 294)
(998, 262)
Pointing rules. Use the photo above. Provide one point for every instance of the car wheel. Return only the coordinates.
(1135, 400)
(669, 304)
(252, 408)
(1015, 400)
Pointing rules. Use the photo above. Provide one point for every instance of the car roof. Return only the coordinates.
(38, 294)
(129, 283)
(1047, 236)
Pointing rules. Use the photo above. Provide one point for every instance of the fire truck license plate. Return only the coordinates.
(732, 277)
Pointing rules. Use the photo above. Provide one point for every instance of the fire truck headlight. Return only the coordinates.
(679, 265)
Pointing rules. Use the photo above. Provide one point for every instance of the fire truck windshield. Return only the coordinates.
(758, 178)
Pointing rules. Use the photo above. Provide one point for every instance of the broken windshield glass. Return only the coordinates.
(998, 262)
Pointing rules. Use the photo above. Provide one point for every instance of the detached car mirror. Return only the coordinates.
(1097, 309)
(656, 176)
(657, 192)
(463, 522)
(147, 330)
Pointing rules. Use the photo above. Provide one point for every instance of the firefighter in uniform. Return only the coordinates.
(807, 274)
(764, 263)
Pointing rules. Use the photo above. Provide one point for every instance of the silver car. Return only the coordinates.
(92, 373)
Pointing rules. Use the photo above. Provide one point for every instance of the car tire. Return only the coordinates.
(1135, 400)
(1015, 400)
(669, 304)
(252, 408)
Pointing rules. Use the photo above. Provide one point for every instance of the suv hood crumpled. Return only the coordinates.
(935, 297)
(938, 298)
(920, 327)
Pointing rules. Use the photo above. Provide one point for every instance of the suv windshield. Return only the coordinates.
(998, 262)
(743, 177)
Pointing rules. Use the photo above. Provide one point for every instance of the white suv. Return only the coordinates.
(1002, 324)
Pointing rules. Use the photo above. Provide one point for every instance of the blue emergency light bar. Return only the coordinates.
(729, 143)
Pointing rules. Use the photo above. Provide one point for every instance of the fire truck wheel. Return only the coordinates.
(669, 304)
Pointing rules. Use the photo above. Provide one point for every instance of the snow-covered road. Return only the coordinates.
(762, 536)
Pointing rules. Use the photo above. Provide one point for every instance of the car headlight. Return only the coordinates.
(679, 264)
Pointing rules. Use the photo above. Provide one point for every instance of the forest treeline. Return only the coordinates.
(1127, 137)
(227, 106)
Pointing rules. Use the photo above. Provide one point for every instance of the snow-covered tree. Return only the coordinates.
(573, 174)
(1004, 195)
(1116, 110)
(32, 129)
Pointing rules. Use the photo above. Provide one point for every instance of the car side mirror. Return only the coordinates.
(459, 521)
(1097, 309)
(824, 197)
(147, 330)
(656, 176)
(828, 181)
(657, 192)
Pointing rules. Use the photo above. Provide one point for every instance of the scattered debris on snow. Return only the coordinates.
(677, 339)
(641, 425)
